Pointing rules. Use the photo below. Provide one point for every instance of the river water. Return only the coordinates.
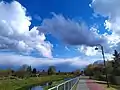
(41, 87)
(37, 88)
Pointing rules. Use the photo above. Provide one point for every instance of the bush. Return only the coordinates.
(115, 79)
(20, 74)
(102, 78)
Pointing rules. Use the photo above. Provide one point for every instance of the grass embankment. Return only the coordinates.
(117, 87)
(18, 84)
(112, 87)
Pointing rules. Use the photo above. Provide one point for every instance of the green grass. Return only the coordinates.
(112, 87)
(117, 87)
(20, 84)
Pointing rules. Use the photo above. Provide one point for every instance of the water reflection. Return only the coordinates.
(37, 88)
(67, 79)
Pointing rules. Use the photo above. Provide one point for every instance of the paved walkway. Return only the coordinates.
(89, 85)
(82, 85)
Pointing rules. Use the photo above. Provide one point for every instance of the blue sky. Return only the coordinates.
(56, 31)
(69, 8)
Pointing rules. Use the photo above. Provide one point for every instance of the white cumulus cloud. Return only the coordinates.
(15, 33)
(111, 10)
(89, 51)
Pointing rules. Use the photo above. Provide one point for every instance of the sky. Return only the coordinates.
(63, 33)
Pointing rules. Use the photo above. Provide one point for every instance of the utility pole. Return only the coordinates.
(104, 63)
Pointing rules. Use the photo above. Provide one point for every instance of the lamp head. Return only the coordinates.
(96, 48)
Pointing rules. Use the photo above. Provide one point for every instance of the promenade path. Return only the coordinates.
(87, 84)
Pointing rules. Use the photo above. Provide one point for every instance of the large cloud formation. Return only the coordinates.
(109, 9)
(15, 33)
(12, 59)
(70, 31)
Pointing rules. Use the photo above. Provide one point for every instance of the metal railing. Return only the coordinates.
(67, 85)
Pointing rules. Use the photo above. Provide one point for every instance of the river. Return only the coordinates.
(41, 87)
(36, 88)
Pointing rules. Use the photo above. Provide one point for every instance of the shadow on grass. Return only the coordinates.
(117, 87)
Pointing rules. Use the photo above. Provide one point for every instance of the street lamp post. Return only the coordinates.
(104, 62)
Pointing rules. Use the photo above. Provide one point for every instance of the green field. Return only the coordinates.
(21, 84)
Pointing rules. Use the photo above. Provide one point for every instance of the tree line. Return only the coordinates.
(112, 69)
(27, 71)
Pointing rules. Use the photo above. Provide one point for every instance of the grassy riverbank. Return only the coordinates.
(53, 84)
(17, 84)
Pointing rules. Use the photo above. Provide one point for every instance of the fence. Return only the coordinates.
(67, 85)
